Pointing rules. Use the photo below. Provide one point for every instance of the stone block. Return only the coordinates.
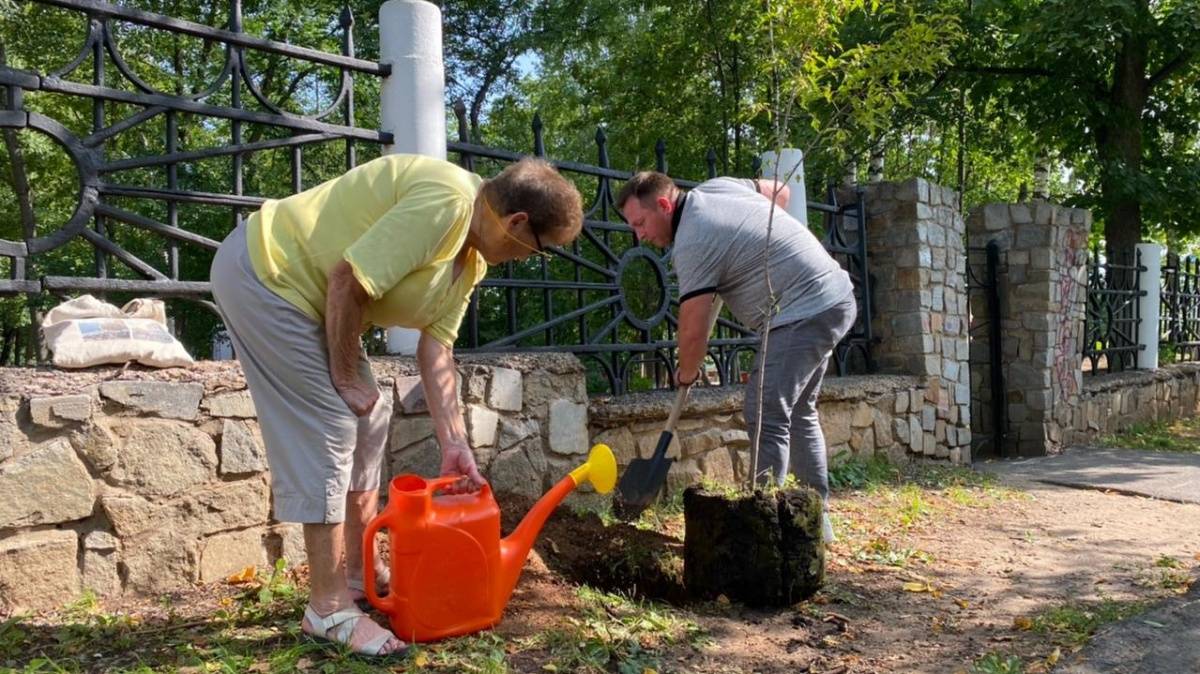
(513, 430)
(1032, 237)
(568, 427)
(915, 433)
(408, 431)
(513, 471)
(99, 570)
(836, 425)
(237, 404)
(481, 425)
(423, 458)
(241, 451)
(217, 507)
(735, 438)
(286, 541)
(411, 395)
(60, 411)
(47, 485)
(162, 561)
(996, 217)
(161, 458)
(695, 444)
(901, 405)
(225, 554)
(928, 418)
(476, 382)
(38, 570)
(506, 392)
(165, 399)
(862, 440)
(900, 430)
(621, 441)
(862, 417)
(722, 465)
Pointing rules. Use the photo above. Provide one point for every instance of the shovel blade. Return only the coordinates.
(641, 483)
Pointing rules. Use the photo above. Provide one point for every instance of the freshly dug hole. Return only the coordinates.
(617, 558)
(762, 549)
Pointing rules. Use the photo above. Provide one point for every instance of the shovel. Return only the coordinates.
(643, 478)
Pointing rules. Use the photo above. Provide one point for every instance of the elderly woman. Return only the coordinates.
(398, 241)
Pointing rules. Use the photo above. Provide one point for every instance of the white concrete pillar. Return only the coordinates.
(1149, 306)
(412, 103)
(788, 168)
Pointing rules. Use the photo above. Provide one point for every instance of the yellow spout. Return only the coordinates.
(600, 470)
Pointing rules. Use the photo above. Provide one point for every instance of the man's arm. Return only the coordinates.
(695, 324)
(767, 187)
(436, 362)
(345, 299)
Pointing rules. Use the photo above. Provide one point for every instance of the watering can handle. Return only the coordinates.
(437, 484)
(385, 604)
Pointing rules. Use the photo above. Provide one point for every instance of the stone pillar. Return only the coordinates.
(916, 257)
(1043, 296)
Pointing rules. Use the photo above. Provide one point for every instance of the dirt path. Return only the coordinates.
(936, 580)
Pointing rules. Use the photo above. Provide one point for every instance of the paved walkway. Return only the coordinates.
(1170, 476)
(1165, 640)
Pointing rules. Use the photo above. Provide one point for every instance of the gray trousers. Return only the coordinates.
(797, 355)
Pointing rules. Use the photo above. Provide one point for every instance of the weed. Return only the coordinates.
(998, 663)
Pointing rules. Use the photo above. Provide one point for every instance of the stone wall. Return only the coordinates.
(861, 416)
(1113, 403)
(148, 481)
(917, 262)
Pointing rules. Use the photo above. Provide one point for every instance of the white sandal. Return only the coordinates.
(338, 627)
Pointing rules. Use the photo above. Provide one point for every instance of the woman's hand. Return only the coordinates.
(360, 396)
(458, 459)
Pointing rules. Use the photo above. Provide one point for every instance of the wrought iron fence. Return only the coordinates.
(1110, 335)
(1179, 332)
(135, 171)
(614, 302)
(149, 225)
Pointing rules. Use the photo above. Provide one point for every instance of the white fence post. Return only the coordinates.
(412, 103)
(1149, 306)
(789, 159)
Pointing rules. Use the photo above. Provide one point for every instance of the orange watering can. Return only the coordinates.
(451, 573)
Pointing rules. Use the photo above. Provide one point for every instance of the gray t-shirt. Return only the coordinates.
(720, 244)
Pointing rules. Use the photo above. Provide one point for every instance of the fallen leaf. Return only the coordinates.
(1052, 659)
(244, 576)
(553, 546)
(649, 670)
(226, 602)
(962, 603)
(549, 667)
(1022, 623)
(420, 659)
(913, 586)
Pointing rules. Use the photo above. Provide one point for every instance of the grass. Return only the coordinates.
(1164, 436)
(257, 629)
(1071, 625)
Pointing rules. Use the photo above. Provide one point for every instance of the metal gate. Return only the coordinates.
(989, 421)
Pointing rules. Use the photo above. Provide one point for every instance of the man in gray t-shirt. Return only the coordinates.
(718, 236)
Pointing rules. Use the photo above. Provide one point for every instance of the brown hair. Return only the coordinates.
(645, 186)
(533, 186)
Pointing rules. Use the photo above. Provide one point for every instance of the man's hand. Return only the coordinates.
(458, 459)
(360, 397)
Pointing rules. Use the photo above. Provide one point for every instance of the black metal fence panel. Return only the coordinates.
(1110, 335)
(1179, 331)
